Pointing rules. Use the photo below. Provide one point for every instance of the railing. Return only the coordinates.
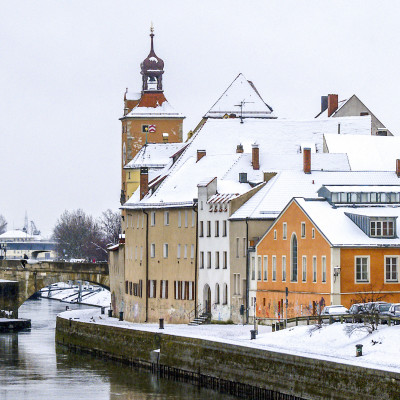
(367, 318)
(196, 311)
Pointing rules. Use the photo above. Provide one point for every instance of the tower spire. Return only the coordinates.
(152, 35)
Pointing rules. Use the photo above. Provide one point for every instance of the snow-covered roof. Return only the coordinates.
(242, 99)
(272, 199)
(132, 95)
(164, 110)
(18, 234)
(279, 145)
(221, 198)
(324, 114)
(340, 230)
(154, 155)
(366, 152)
(363, 188)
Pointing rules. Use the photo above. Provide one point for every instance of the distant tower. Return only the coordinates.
(148, 118)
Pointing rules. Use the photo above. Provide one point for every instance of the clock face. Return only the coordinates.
(124, 154)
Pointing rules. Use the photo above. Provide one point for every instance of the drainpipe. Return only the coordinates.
(247, 272)
(147, 264)
(195, 202)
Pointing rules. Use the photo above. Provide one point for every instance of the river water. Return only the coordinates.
(32, 368)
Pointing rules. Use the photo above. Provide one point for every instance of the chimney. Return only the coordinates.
(144, 181)
(398, 168)
(333, 102)
(255, 156)
(200, 154)
(324, 103)
(307, 160)
(239, 148)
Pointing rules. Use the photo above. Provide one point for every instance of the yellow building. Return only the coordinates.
(148, 117)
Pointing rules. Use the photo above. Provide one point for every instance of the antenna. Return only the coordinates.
(242, 103)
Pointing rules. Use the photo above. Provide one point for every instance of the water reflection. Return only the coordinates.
(32, 368)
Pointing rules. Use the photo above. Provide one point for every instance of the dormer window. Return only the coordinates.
(382, 228)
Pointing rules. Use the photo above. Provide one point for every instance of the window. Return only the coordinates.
(313, 233)
(237, 247)
(225, 294)
(391, 274)
(202, 259)
(184, 290)
(224, 228)
(253, 268)
(216, 293)
(208, 259)
(225, 260)
(177, 290)
(190, 290)
(259, 268)
(192, 251)
(244, 247)
(186, 218)
(166, 217)
(201, 230)
(208, 228)
(362, 269)
(152, 288)
(303, 230)
(217, 260)
(314, 269)
(193, 217)
(141, 253)
(293, 259)
(236, 284)
(274, 234)
(382, 228)
(130, 288)
(265, 268)
(179, 219)
(153, 218)
(152, 250)
(283, 268)
(185, 251)
(136, 253)
(216, 228)
(304, 268)
(126, 287)
(323, 269)
(164, 289)
(284, 231)
(274, 268)
(178, 255)
(138, 220)
(165, 250)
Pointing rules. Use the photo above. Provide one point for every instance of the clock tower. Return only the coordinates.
(148, 118)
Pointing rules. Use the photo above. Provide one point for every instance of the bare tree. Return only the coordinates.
(110, 223)
(3, 224)
(79, 236)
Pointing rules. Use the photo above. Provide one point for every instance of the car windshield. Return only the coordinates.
(397, 308)
(384, 307)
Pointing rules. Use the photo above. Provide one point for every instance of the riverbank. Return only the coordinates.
(226, 352)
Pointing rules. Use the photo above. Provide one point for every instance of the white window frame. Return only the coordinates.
(185, 252)
(253, 268)
(323, 269)
(284, 231)
(361, 281)
(217, 260)
(315, 266)
(179, 219)
(193, 218)
(259, 269)
(224, 260)
(202, 260)
(178, 251)
(192, 251)
(166, 218)
(390, 280)
(284, 270)
(273, 268)
(165, 250)
(304, 269)
(265, 268)
(303, 230)
(186, 218)
(208, 259)
(152, 250)
(216, 230)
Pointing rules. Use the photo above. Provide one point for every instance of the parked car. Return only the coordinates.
(357, 308)
(394, 311)
(372, 306)
(380, 308)
(334, 311)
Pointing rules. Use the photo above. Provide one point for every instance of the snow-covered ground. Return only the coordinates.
(331, 342)
(91, 295)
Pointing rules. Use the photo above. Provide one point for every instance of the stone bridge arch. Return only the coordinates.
(32, 278)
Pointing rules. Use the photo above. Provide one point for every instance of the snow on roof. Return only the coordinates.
(221, 198)
(340, 230)
(240, 91)
(276, 194)
(324, 114)
(366, 152)
(165, 110)
(363, 188)
(219, 139)
(132, 95)
(154, 155)
(18, 234)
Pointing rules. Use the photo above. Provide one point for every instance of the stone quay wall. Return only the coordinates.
(291, 375)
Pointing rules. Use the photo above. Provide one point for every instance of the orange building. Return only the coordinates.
(343, 248)
(148, 116)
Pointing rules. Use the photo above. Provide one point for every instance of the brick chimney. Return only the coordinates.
(200, 154)
(144, 181)
(398, 168)
(255, 156)
(333, 102)
(307, 160)
(239, 148)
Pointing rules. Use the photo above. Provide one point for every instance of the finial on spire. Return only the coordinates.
(151, 28)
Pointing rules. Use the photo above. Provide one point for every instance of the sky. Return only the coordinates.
(65, 65)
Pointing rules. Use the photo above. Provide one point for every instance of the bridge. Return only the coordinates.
(29, 279)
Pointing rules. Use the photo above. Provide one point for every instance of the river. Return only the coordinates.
(32, 368)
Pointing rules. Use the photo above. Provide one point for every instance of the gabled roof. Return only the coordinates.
(324, 114)
(366, 152)
(154, 155)
(240, 91)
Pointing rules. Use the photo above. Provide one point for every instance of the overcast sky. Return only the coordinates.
(64, 66)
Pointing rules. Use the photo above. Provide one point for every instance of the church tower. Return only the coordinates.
(148, 118)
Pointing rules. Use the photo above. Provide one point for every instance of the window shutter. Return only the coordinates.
(187, 290)
(166, 289)
(175, 290)
(161, 287)
(179, 290)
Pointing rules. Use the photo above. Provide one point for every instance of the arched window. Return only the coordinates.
(216, 293)
(293, 259)
(225, 294)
